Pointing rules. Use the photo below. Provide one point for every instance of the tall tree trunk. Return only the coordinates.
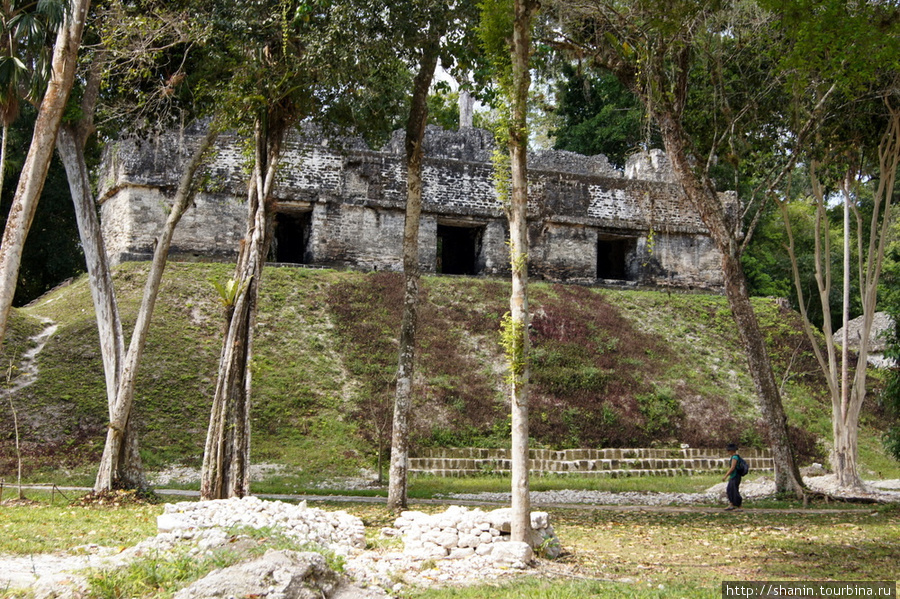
(701, 193)
(37, 162)
(518, 239)
(109, 325)
(226, 458)
(415, 134)
(120, 464)
(70, 143)
(3, 144)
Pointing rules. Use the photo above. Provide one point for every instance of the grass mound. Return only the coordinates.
(609, 368)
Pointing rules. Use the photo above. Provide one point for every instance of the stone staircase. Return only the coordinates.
(611, 462)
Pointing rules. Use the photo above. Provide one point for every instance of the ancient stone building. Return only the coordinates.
(343, 206)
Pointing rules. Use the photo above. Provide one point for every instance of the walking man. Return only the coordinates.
(733, 476)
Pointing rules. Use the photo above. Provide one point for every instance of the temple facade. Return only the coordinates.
(343, 205)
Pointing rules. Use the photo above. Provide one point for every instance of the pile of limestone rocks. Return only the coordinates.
(456, 546)
(459, 533)
(337, 531)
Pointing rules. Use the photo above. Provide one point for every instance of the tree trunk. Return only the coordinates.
(844, 455)
(518, 239)
(70, 146)
(226, 458)
(846, 399)
(109, 324)
(415, 134)
(37, 162)
(703, 197)
(120, 464)
(3, 143)
(70, 143)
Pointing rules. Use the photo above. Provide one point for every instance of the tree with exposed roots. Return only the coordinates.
(284, 62)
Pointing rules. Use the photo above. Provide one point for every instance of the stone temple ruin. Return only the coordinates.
(344, 207)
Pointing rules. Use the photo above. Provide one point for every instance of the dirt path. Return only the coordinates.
(178, 494)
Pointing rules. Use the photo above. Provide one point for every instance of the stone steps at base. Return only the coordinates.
(595, 474)
(612, 453)
(584, 467)
(611, 462)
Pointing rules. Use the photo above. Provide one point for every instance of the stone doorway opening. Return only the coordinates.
(612, 258)
(291, 240)
(458, 249)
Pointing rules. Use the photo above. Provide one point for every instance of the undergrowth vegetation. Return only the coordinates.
(609, 368)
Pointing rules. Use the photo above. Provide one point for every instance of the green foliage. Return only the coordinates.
(501, 176)
(512, 340)
(495, 31)
(443, 107)
(230, 291)
(890, 393)
(599, 116)
(850, 43)
(27, 28)
(662, 412)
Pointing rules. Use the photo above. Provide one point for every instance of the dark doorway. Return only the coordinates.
(458, 249)
(611, 255)
(292, 237)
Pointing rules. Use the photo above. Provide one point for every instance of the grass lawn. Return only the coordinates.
(607, 553)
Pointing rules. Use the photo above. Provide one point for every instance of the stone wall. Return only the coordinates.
(611, 462)
(343, 206)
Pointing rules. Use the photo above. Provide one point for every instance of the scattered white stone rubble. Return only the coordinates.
(453, 547)
(336, 531)
(460, 533)
(458, 546)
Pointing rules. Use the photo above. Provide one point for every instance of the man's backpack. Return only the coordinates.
(743, 468)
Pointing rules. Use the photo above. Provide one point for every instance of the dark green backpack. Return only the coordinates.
(743, 468)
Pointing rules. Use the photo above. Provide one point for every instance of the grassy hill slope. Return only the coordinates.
(610, 368)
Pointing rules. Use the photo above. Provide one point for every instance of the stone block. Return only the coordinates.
(512, 554)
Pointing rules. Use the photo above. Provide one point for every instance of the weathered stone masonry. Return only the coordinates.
(344, 207)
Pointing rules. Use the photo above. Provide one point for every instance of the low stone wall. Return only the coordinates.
(460, 532)
(611, 462)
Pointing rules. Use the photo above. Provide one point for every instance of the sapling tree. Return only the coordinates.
(507, 36)
(15, 416)
(843, 56)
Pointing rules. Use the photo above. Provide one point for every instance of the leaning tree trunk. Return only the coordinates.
(701, 193)
(70, 143)
(120, 464)
(415, 134)
(517, 332)
(37, 162)
(226, 457)
(109, 325)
